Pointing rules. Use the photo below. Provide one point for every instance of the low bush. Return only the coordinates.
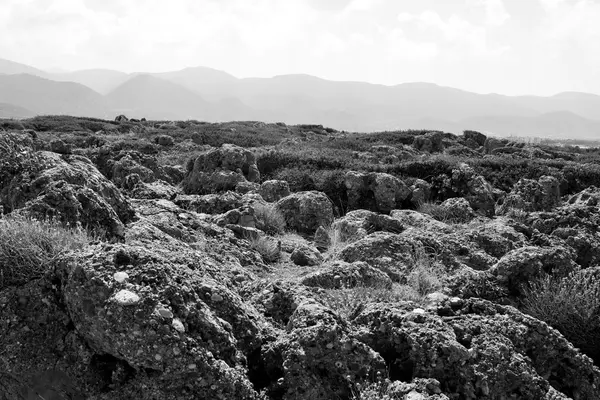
(269, 219)
(11, 125)
(29, 248)
(435, 210)
(571, 305)
(267, 247)
(443, 213)
(347, 302)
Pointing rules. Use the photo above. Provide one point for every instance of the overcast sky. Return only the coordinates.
(503, 46)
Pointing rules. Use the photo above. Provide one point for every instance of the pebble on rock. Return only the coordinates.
(178, 325)
(126, 298)
(121, 276)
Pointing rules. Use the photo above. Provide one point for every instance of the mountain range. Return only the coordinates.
(212, 95)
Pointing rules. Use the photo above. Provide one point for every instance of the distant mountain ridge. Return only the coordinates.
(212, 95)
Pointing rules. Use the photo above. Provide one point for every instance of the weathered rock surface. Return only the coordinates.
(340, 275)
(210, 203)
(274, 190)
(415, 219)
(474, 188)
(304, 255)
(177, 314)
(359, 223)
(474, 139)
(306, 211)
(531, 195)
(431, 142)
(458, 209)
(388, 252)
(420, 192)
(155, 190)
(477, 350)
(377, 191)
(68, 188)
(220, 169)
(527, 264)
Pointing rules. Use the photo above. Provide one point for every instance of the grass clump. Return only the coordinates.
(571, 305)
(346, 302)
(446, 214)
(437, 211)
(267, 247)
(29, 248)
(269, 219)
(425, 279)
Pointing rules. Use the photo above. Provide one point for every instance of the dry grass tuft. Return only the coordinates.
(346, 301)
(269, 219)
(29, 248)
(267, 247)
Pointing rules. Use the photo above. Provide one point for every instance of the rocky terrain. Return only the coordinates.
(265, 261)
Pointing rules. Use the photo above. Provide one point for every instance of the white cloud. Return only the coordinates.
(466, 43)
(457, 31)
(496, 13)
(551, 4)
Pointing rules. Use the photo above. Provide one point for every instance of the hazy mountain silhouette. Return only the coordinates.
(44, 96)
(149, 96)
(11, 111)
(101, 80)
(10, 67)
(213, 95)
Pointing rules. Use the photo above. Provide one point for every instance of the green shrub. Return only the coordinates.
(29, 248)
(269, 219)
(11, 125)
(347, 301)
(571, 305)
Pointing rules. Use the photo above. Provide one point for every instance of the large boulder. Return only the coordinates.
(457, 209)
(170, 310)
(589, 197)
(576, 223)
(475, 189)
(220, 169)
(155, 190)
(527, 264)
(343, 275)
(473, 139)
(477, 350)
(495, 237)
(306, 211)
(431, 142)
(377, 191)
(532, 195)
(67, 188)
(126, 166)
(425, 222)
(359, 223)
(317, 358)
(391, 253)
(420, 192)
(274, 190)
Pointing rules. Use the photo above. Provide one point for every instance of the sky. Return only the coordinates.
(512, 47)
